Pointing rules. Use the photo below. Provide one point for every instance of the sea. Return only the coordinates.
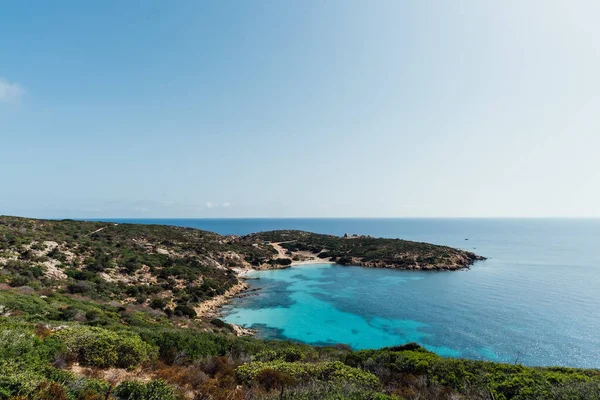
(534, 301)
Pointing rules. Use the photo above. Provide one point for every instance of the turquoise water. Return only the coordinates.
(320, 304)
(536, 298)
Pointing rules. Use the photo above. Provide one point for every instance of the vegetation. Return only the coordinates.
(88, 335)
(368, 251)
(171, 269)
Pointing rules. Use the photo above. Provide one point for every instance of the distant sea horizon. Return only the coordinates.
(536, 299)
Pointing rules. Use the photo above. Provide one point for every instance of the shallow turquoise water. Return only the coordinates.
(536, 298)
(310, 314)
(456, 314)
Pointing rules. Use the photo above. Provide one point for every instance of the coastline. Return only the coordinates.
(211, 307)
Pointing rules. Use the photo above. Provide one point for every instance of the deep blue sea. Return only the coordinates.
(536, 300)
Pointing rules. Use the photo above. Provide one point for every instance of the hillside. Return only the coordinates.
(174, 269)
(92, 310)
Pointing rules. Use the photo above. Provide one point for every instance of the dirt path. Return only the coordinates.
(280, 250)
(101, 229)
(306, 257)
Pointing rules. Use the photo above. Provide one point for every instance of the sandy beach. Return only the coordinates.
(210, 308)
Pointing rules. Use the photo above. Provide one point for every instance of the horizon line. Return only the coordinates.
(313, 218)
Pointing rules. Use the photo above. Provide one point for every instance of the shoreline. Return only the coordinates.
(211, 308)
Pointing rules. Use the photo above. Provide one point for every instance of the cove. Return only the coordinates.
(468, 314)
(298, 303)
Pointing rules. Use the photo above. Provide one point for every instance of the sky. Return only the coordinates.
(311, 108)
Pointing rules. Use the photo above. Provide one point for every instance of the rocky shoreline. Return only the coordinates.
(209, 308)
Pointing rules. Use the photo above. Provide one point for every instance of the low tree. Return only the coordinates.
(269, 379)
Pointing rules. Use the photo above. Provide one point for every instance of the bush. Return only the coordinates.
(185, 311)
(176, 345)
(81, 287)
(321, 372)
(102, 348)
(281, 261)
(221, 324)
(289, 354)
(19, 280)
(154, 390)
(50, 391)
(159, 303)
(272, 379)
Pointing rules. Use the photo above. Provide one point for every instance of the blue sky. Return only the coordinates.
(300, 108)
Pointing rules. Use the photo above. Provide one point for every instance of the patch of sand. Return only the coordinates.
(305, 257)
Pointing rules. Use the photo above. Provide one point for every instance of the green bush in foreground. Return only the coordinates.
(154, 390)
(335, 371)
(99, 347)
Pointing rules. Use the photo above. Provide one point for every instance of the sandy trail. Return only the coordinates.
(307, 257)
(101, 229)
(280, 250)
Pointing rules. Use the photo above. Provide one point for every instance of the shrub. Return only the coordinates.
(289, 354)
(176, 345)
(281, 261)
(159, 303)
(153, 390)
(102, 348)
(19, 280)
(321, 372)
(50, 391)
(270, 379)
(221, 324)
(68, 313)
(81, 287)
(21, 345)
(185, 311)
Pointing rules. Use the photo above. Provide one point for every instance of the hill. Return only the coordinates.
(92, 310)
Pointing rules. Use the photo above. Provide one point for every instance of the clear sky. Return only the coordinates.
(300, 108)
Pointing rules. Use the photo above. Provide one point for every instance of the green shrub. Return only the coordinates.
(19, 281)
(48, 390)
(322, 372)
(185, 344)
(272, 379)
(221, 324)
(102, 348)
(185, 311)
(153, 390)
(289, 354)
(281, 261)
(159, 303)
